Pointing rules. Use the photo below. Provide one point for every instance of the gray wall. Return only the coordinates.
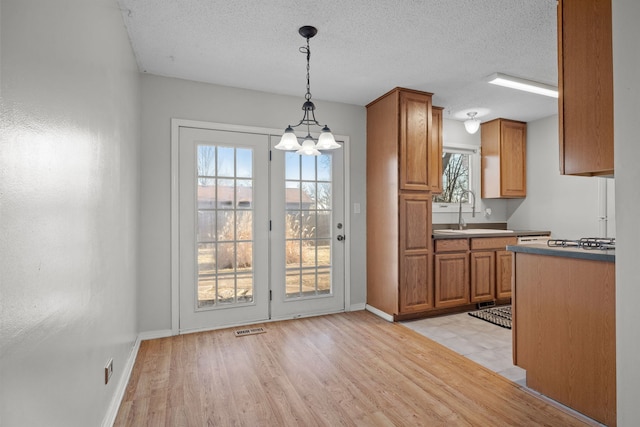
(626, 69)
(68, 207)
(166, 98)
(568, 206)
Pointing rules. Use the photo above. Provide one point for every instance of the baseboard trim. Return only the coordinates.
(121, 388)
(357, 307)
(152, 335)
(379, 313)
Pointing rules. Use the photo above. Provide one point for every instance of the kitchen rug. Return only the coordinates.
(500, 316)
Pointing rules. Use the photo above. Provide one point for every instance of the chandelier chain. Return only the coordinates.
(307, 50)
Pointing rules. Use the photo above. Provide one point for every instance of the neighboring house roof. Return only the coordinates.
(245, 194)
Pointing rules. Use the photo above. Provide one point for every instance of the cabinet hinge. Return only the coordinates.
(269, 225)
(270, 296)
(269, 155)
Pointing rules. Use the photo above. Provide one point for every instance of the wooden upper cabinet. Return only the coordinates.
(435, 151)
(415, 140)
(504, 159)
(585, 80)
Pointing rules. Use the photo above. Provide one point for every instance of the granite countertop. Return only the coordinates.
(608, 255)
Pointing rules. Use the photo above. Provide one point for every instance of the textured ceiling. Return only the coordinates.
(363, 48)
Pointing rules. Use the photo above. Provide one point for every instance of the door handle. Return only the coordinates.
(340, 237)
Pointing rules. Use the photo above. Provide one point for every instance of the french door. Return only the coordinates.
(307, 238)
(224, 210)
(258, 239)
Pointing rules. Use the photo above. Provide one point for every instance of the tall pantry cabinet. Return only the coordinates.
(401, 152)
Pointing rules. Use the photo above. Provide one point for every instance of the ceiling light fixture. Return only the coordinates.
(289, 140)
(472, 124)
(523, 84)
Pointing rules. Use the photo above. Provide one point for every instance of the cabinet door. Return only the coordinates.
(415, 290)
(451, 279)
(504, 270)
(585, 75)
(435, 151)
(513, 148)
(483, 276)
(415, 138)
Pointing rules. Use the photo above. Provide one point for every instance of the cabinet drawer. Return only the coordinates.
(492, 242)
(451, 245)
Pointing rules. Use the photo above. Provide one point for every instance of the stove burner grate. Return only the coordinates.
(601, 243)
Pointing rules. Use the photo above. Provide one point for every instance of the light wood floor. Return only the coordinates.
(350, 369)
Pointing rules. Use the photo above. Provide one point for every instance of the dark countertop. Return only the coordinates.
(531, 233)
(608, 255)
(445, 234)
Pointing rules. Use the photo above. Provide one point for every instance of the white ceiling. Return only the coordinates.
(363, 48)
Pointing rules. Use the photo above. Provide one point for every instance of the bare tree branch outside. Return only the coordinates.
(455, 178)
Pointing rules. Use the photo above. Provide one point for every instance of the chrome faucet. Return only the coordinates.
(473, 208)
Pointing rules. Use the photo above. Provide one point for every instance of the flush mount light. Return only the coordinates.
(472, 124)
(309, 147)
(523, 84)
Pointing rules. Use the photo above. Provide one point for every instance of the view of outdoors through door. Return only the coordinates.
(260, 237)
(224, 226)
(308, 225)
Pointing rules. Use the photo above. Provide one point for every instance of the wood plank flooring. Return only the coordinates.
(348, 369)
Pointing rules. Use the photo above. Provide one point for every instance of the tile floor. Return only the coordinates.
(485, 343)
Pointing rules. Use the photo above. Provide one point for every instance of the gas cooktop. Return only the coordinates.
(601, 243)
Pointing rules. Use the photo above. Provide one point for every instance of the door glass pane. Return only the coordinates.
(226, 161)
(293, 195)
(225, 226)
(206, 160)
(308, 225)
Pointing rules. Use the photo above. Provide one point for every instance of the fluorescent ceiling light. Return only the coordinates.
(523, 84)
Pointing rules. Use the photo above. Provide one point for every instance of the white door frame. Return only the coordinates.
(176, 124)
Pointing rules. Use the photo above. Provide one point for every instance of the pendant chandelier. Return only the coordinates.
(309, 147)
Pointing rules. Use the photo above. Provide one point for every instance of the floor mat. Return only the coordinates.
(500, 316)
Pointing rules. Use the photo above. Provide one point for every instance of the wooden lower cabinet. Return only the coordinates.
(483, 276)
(474, 270)
(564, 331)
(415, 289)
(504, 271)
(415, 286)
(451, 279)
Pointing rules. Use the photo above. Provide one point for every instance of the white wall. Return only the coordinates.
(454, 133)
(565, 205)
(69, 154)
(626, 69)
(166, 98)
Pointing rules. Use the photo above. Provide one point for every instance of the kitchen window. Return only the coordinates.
(460, 172)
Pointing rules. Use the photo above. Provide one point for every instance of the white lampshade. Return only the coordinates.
(308, 148)
(326, 140)
(289, 141)
(472, 124)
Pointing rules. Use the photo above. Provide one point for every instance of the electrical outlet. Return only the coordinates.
(108, 371)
